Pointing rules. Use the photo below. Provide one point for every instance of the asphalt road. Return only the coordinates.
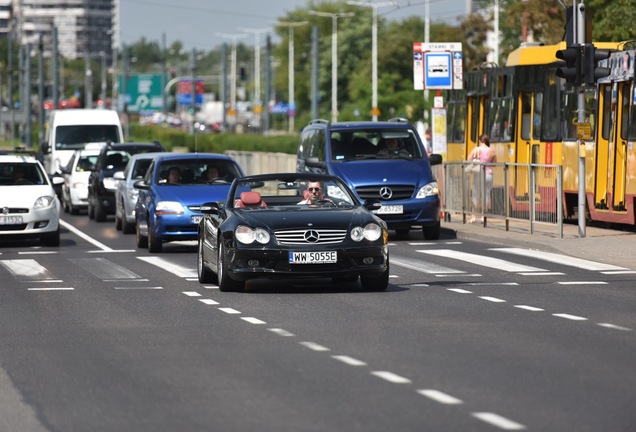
(470, 336)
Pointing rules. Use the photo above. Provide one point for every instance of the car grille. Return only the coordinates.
(397, 192)
(310, 236)
(19, 227)
(13, 210)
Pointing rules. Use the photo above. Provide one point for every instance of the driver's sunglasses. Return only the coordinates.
(313, 189)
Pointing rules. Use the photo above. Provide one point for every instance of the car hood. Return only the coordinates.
(192, 195)
(303, 216)
(23, 196)
(394, 171)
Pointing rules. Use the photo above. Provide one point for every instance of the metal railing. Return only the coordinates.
(509, 191)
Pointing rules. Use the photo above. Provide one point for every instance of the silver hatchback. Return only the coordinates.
(126, 194)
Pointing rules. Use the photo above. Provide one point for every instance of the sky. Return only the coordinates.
(197, 23)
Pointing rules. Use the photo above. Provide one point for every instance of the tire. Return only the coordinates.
(376, 283)
(74, 210)
(100, 213)
(226, 283)
(432, 232)
(205, 275)
(142, 241)
(65, 206)
(117, 222)
(155, 244)
(127, 227)
(91, 209)
(52, 239)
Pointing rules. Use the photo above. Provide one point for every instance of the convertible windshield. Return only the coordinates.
(291, 192)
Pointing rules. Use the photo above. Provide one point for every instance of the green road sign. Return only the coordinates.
(143, 92)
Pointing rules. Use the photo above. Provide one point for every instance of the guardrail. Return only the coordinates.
(509, 191)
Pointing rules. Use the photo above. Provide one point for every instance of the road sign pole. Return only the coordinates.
(579, 25)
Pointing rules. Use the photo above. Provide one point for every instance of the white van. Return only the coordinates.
(72, 129)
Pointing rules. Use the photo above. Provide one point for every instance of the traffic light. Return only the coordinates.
(571, 70)
(243, 73)
(591, 56)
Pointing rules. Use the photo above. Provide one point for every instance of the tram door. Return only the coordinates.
(476, 118)
(604, 141)
(620, 149)
(529, 132)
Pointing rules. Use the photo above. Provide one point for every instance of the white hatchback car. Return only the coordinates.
(29, 206)
(76, 173)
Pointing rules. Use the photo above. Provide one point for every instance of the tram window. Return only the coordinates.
(632, 122)
(590, 108)
(526, 105)
(551, 111)
(608, 113)
(625, 113)
(537, 115)
(569, 114)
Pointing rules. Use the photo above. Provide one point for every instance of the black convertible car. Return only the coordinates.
(281, 226)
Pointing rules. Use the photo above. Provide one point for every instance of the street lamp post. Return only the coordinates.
(258, 100)
(291, 102)
(234, 38)
(334, 57)
(374, 52)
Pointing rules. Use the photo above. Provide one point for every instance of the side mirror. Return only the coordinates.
(210, 208)
(140, 184)
(373, 204)
(435, 159)
(313, 161)
(119, 175)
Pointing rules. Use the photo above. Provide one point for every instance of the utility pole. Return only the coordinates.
(232, 111)
(291, 109)
(27, 98)
(40, 90)
(193, 90)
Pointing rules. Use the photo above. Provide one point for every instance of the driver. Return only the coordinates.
(314, 193)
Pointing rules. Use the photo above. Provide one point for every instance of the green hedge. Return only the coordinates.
(215, 142)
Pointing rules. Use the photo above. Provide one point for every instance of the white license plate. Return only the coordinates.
(195, 219)
(10, 220)
(390, 209)
(313, 257)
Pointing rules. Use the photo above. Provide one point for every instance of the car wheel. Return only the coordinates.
(65, 206)
(142, 241)
(377, 282)
(52, 239)
(74, 210)
(91, 209)
(154, 243)
(127, 227)
(205, 275)
(117, 221)
(100, 213)
(432, 232)
(226, 283)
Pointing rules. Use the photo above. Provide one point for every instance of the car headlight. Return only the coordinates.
(371, 232)
(427, 190)
(110, 183)
(43, 202)
(169, 208)
(247, 235)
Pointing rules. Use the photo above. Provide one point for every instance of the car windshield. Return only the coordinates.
(291, 191)
(21, 174)
(76, 137)
(196, 171)
(374, 144)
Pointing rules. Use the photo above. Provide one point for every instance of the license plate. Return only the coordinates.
(390, 209)
(195, 219)
(10, 220)
(313, 257)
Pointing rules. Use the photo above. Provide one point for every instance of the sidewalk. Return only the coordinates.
(601, 245)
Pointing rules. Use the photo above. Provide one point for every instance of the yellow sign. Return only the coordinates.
(231, 112)
(375, 111)
(584, 131)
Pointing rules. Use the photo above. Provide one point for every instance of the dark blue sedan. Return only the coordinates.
(171, 194)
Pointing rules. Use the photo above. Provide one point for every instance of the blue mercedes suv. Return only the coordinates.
(379, 160)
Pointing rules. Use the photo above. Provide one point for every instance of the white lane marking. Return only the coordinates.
(394, 276)
(131, 280)
(560, 259)
(492, 299)
(46, 281)
(192, 293)
(582, 283)
(614, 326)
(104, 269)
(229, 310)
(418, 285)
(529, 308)
(349, 360)
(459, 290)
(196, 279)
(491, 283)
(26, 269)
(570, 317)
(253, 320)
(314, 346)
(37, 253)
(139, 288)
(440, 397)
(52, 289)
(208, 301)
(619, 272)
(169, 266)
(91, 240)
(391, 377)
(458, 275)
(424, 267)
(211, 286)
(422, 244)
(281, 332)
(482, 260)
(498, 421)
(542, 274)
(112, 251)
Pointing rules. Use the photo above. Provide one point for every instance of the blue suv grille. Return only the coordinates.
(386, 192)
